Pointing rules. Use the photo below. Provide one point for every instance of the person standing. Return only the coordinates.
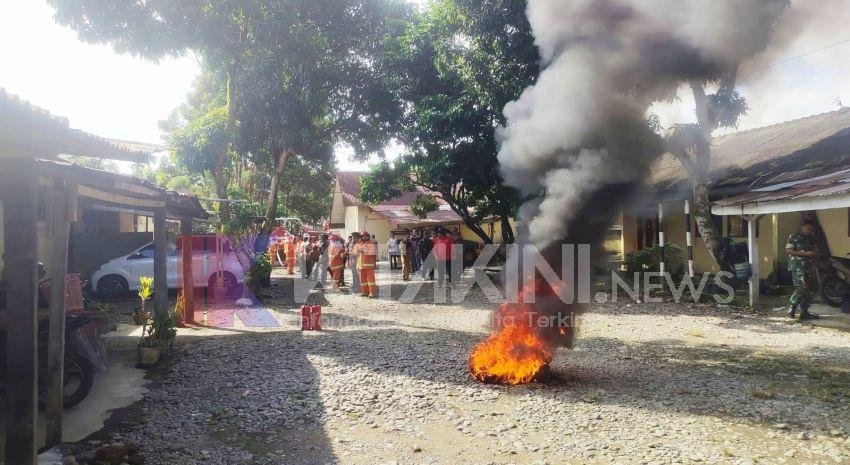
(324, 260)
(414, 258)
(353, 239)
(289, 251)
(393, 251)
(312, 257)
(367, 257)
(425, 247)
(336, 252)
(405, 250)
(303, 248)
(801, 249)
(443, 253)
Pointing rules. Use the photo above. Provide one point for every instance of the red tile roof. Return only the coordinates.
(349, 182)
(395, 210)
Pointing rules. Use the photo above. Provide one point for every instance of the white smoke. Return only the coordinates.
(579, 131)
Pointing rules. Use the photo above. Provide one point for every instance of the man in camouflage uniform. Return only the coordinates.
(800, 250)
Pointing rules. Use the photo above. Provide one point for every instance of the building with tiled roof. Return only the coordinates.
(349, 213)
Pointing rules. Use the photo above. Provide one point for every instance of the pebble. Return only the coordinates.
(398, 372)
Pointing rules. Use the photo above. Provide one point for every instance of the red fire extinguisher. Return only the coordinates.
(316, 318)
(306, 318)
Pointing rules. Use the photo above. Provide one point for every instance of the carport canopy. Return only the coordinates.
(828, 190)
(824, 190)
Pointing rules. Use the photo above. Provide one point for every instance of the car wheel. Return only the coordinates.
(228, 280)
(112, 286)
(832, 290)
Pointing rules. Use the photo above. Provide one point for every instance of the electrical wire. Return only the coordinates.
(788, 60)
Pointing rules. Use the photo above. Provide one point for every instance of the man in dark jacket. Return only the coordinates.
(425, 246)
(416, 260)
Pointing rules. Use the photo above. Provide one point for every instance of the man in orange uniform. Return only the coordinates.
(276, 246)
(367, 255)
(336, 253)
(289, 250)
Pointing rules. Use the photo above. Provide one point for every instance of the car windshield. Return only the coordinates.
(148, 251)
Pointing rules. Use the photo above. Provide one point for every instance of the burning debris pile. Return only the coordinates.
(578, 143)
(518, 351)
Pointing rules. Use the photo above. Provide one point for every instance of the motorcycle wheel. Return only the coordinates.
(79, 378)
(832, 290)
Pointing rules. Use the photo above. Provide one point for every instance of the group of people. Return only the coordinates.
(409, 252)
(328, 253)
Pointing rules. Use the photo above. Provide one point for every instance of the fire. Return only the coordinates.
(515, 353)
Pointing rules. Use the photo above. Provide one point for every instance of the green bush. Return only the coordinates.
(260, 274)
(648, 260)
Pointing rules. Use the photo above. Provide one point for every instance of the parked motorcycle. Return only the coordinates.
(80, 362)
(833, 288)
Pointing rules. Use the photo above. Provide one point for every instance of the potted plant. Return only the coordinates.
(140, 315)
(148, 351)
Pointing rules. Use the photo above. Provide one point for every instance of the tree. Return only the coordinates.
(454, 69)
(216, 29)
(309, 86)
(691, 144)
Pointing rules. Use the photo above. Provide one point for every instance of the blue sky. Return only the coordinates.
(124, 97)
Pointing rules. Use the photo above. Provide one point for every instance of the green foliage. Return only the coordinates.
(424, 204)
(383, 182)
(649, 259)
(454, 68)
(96, 163)
(164, 326)
(725, 107)
(198, 145)
(145, 288)
(260, 272)
(243, 218)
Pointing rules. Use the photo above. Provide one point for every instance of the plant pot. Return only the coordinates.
(148, 356)
(140, 318)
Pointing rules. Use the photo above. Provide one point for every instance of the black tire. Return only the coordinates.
(230, 283)
(79, 378)
(832, 290)
(112, 286)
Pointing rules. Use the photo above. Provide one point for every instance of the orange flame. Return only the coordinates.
(515, 353)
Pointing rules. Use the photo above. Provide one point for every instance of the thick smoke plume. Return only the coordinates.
(578, 142)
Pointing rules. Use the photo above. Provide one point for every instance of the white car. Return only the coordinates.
(120, 275)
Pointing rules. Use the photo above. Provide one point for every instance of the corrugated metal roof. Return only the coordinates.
(177, 204)
(771, 154)
(29, 130)
(834, 183)
(400, 216)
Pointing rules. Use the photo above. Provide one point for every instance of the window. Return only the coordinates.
(736, 226)
(148, 252)
(144, 252)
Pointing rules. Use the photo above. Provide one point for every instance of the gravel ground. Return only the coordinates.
(386, 383)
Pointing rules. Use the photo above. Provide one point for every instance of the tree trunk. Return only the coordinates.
(478, 231)
(219, 175)
(507, 230)
(699, 175)
(262, 242)
(823, 265)
(221, 193)
(707, 229)
(271, 207)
